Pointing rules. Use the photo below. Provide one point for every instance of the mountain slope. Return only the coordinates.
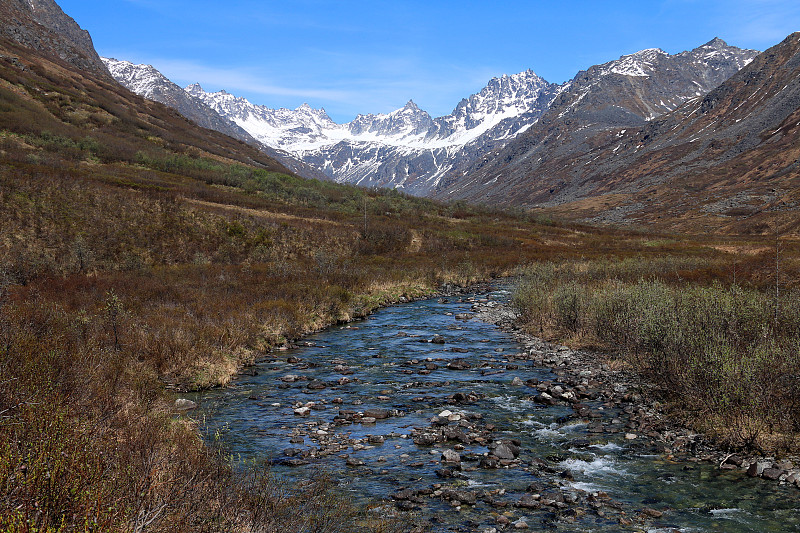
(43, 26)
(726, 161)
(626, 93)
(148, 82)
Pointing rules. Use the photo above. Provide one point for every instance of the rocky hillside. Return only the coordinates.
(626, 93)
(725, 160)
(42, 25)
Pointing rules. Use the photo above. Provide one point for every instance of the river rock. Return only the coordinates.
(521, 524)
(182, 404)
(516, 382)
(757, 468)
(529, 501)
(507, 451)
(489, 461)
(451, 456)
(439, 421)
(463, 496)
(437, 339)
(458, 364)
(445, 473)
(424, 440)
(302, 411)
(772, 473)
(455, 433)
(379, 414)
(404, 494)
(544, 399)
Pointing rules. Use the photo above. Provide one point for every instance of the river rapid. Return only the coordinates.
(425, 410)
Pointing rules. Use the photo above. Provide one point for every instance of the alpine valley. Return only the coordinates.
(167, 271)
(410, 150)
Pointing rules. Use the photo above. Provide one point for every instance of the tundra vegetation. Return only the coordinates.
(719, 336)
(141, 255)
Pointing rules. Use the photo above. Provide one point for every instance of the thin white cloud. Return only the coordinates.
(373, 85)
(233, 80)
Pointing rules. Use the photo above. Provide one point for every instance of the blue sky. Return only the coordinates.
(373, 56)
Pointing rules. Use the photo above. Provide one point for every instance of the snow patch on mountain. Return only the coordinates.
(305, 129)
(143, 80)
(640, 64)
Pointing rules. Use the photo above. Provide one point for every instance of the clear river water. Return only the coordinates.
(386, 362)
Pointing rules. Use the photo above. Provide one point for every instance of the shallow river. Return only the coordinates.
(390, 366)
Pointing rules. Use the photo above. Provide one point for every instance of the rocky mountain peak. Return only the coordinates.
(194, 89)
(716, 42)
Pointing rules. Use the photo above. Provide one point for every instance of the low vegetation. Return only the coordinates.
(721, 344)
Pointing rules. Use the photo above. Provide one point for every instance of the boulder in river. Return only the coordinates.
(507, 450)
(458, 364)
(379, 414)
(451, 456)
(182, 404)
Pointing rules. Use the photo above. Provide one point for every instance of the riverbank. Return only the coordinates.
(649, 423)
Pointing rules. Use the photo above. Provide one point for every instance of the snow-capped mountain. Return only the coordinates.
(409, 149)
(405, 148)
(147, 81)
(544, 167)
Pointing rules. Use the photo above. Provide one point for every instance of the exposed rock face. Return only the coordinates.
(538, 167)
(727, 159)
(43, 26)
